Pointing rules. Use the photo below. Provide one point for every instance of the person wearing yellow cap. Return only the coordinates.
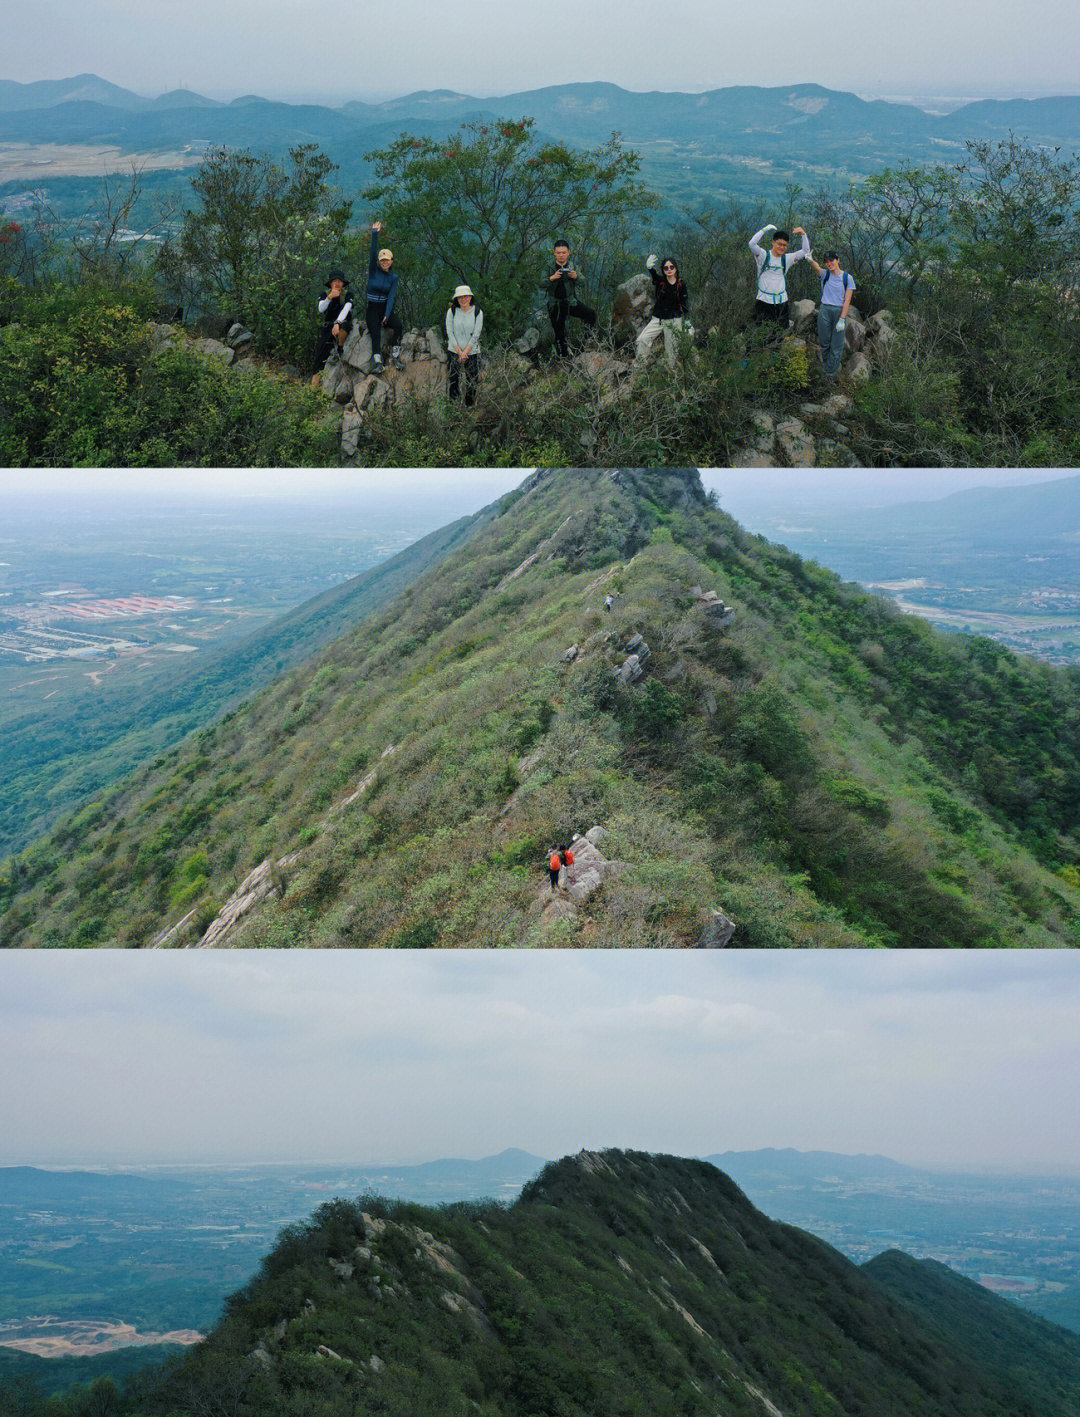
(381, 294)
(464, 321)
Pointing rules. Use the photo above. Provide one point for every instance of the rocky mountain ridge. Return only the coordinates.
(815, 766)
(618, 1283)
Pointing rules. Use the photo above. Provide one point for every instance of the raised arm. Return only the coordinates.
(373, 263)
(755, 241)
(803, 253)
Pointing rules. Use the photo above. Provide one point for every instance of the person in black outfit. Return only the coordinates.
(670, 308)
(381, 294)
(561, 284)
(335, 306)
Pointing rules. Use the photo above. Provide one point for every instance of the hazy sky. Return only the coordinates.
(961, 1058)
(465, 490)
(753, 496)
(286, 48)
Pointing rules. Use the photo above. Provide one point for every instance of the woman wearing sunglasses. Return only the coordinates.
(670, 308)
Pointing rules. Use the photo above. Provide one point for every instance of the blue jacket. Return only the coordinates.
(381, 285)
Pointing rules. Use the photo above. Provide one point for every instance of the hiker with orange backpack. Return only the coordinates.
(555, 862)
(557, 859)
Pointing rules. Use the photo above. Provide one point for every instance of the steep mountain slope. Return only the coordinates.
(807, 762)
(619, 1283)
(58, 759)
(1008, 1344)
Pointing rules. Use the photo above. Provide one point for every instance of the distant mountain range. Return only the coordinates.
(708, 143)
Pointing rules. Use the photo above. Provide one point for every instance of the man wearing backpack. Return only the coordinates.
(837, 288)
(771, 300)
(555, 864)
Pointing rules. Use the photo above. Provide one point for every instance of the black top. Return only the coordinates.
(565, 286)
(671, 300)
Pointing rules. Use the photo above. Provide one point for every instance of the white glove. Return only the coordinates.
(652, 263)
(770, 226)
(841, 324)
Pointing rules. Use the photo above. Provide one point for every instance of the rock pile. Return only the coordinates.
(634, 665)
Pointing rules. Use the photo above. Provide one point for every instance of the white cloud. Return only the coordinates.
(953, 1058)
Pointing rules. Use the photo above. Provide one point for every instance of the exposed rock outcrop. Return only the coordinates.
(267, 879)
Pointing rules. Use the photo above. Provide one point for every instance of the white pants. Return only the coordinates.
(671, 330)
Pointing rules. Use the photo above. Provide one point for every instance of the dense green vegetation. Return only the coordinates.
(619, 1283)
(972, 260)
(823, 768)
(82, 386)
(25, 1378)
(1012, 1346)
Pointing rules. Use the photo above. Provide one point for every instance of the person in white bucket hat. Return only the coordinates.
(464, 321)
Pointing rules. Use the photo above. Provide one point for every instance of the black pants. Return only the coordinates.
(559, 311)
(374, 321)
(765, 313)
(554, 878)
(471, 371)
(326, 344)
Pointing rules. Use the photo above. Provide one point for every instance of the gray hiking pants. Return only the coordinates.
(830, 339)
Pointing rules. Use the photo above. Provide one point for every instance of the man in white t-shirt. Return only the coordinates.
(771, 300)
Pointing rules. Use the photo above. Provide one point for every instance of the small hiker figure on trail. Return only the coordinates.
(335, 307)
(555, 862)
(609, 601)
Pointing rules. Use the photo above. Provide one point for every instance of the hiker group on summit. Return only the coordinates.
(562, 286)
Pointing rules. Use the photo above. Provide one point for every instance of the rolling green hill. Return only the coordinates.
(619, 1283)
(814, 765)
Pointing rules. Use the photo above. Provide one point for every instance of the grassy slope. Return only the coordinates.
(825, 770)
(619, 1283)
(63, 761)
